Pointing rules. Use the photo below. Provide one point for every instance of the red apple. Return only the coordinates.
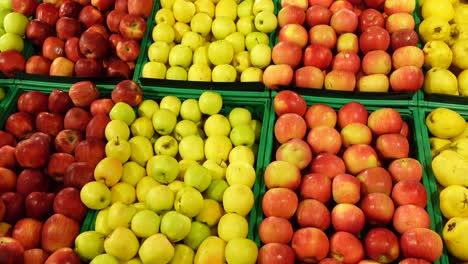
(2, 210)
(132, 26)
(91, 151)
(68, 203)
(374, 38)
(49, 123)
(35, 256)
(59, 231)
(320, 115)
(352, 112)
(316, 186)
(384, 121)
(295, 33)
(340, 4)
(99, 28)
(38, 205)
(30, 180)
(277, 75)
(37, 31)
(47, 13)
(409, 192)
(53, 48)
(376, 61)
(61, 66)
(32, 102)
(392, 146)
(128, 50)
(72, 49)
(398, 21)
(33, 152)
(113, 19)
(28, 232)
(58, 163)
(101, 106)
(378, 209)
(405, 130)
(421, 243)
(140, 7)
(381, 245)
(289, 126)
(375, 180)
(405, 169)
(414, 261)
(324, 3)
(70, 8)
(374, 3)
(103, 5)
(67, 139)
(348, 218)
(318, 56)
(340, 80)
(59, 102)
(279, 202)
(276, 253)
(310, 243)
(370, 17)
(291, 15)
(286, 53)
(77, 119)
(7, 157)
(118, 68)
(404, 37)
(407, 79)
(6, 138)
(37, 65)
(408, 56)
(63, 255)
(83, 93)
(8, 180)
(346, 247)
(5, 228)
(14, 203)
(78, 174)
(96, 127)
(287, 101)
(329, 260)
(89, 68)
(121, 5)
(323, 35)
(312, 213)
(295, 151)
(25, 7)
(344, 21)
(346, 189)
(11, 251)
(346, 61)
(275, 230)
(317, 15)
(11, 61)
(327, 164)
(127, 91)
(410, 216)
(324, 139)
(89, 16)
(67, 28)
(93, 45)
(360, 157)
(309, 77)
(114, 39)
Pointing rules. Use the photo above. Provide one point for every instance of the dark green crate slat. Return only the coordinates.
(409, 114)
(10, 89)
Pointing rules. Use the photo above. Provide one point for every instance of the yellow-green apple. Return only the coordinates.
(95, 195)
(166, 145)
(159, 198)
(288, 126)
(198, 177)
(226, 8)
(201, 23)
(120, 215)
(356, 133)
(295, 33)
(374, 38)
(145, 223)
(360, 157)
(224, 73)
(198, 233)
(393, 6)
(318, 56)
(286, 53)
(245, 25)
(280, 202)
(398, 21)
(406, 79)
(341, 4)
(317, 15)
(208, 7)
(175, 225)
(252, 74)
(156, 248)
(409, 192)
(229, 220)
(265, 21)
(120, 238)
(242, 134)
(403, 37)
(313, 213)
(378, 208)
(324, 139)
(375, 179)
(291, 14)
(309, 77)
(68, 203)
(406, 56)
(346, 61)
(28, 232)
(370, 17)
(348, 218)
(59, 231)
(185, 128)
(410, 216)
(164, 32)
(192, 147)
(346, 247)
(275, 229)
(11, 250)
(405, 169)
(158, 51)
(154, 70)
(199, 72)
(376, 61)
(316, 186)
(327, 164)
(254, 38)
(89, 244)
(310, 243)
(242, 153)
(244, 8)
(264, 5)
(295, 151)
(346, 189)
(287, 101)
(344, 21)
(347, 42)
(241, 61)
(183, 10)
(35, 255)
(239, 199)
(277, 75)
(163, 169)
(299, 3)
(116, 128)
(384, 121)
(373, 83)
(392, 146)
(320, 115)
(108, 171)
(282, 174)
(381, 245)
(421, 243)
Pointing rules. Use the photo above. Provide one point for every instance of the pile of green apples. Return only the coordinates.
(211, 40)
(176, 184)
(12, 28)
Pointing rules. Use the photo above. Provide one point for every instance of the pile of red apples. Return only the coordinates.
(48, 150)
(341, 188)
(347, 45)
(83, 38)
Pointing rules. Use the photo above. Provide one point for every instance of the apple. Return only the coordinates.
(346, 247)
(142, 7)
(347, 42)
(59, 102)
(8, 180)
(324, 139)
(47, 13)
(384, 121)
(37, 31)
(277, 75)
(90, 150)
(96, 127)
(295, 151)
(93, 45)
(14, 203)
(85, 67)
(32, 102)
(38, 205)
(59, 231)
(61, 66)
(340, 80)
(287, 101)
(101, 106)
(405, 169)
(356, 133)
(375, 179)
(68, 203)
(352, 112)
(344, 21)
(275, 230)
(312, 213)
(320, 115)
(276, 253)
(398, 21)
(49, 123)
(291, 14)
(35, 256)
(28, 232)
(381, 245)
(132, 27)
(403, 37)
(118, 68)
(346, 189)
(373, 83)
(316, 186)
(31, 180)
(128, 50)
(113, 20)
(103, 5)
(406, 79)
(83, 93)
(409, 192)
(407, 56)
(289, 126)
(376, 61)
(70, 8)
(378, 209)
(410, 216)
(360, 157)
(127, 91)
(370, 17)
(77, 118)
(322, 35)
(279, 202)
(392, 7)
(421, 243)
(295, 33)
(414, 261)
(310, 243)
(327, 164)
(63, 255)
(309, 77)
(72, 50)
(287, 53)
(318, 56)
(378, 4)
(33, 152)
(346, 61)
(392, 146)
(340, 4)
(11, 250)
(67, 139)
(26, 8)
(324, 3)
(7, 157)
(317, 15)
(7, 139)
(5, 229)
(37, 65)
(57, 164)
(78, 174)
(89, 15)
(11, 61)
(67, 28)
(348, 218)
(53, 48)
(374, 38)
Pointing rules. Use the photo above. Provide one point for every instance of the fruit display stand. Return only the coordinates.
(8, 87)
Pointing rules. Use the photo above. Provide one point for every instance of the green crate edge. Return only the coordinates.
(10, 89)
(187, 86)
(428, 181)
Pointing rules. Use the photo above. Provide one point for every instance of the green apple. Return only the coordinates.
(198, 177)
(217, 147)
(239, 116)
(237, 41)
(226, 8)
(119, 149)
(241, 248)
(142, 149)
(156, 249)
(175, 226)
(241, 61)
(254, 38)
(188, 201)
(216, 167)
(122, 244)
(211, 250)
(164, 15)
(201, 23)
(257, 127)
(200, 55)
(142, 126)
(224, 73)
(143, 186)
(5, 4)
(100, 224)
(241, 172)
(210, 103)
(154, 70)
(164, 121)
(189, 110)
(222, 27)
(166, 145)
(145, 223)
(183, 254)
(183, 10)
(135, 260)
(132, 173)
(220, 52)
(123, 192)
(252, 74)
(163, 32)
(180, 55)
(176, 73)
(199, 72)
(193, 40)
(11, 41)
(120, 215)
(3, 13)
(263, 5)
(244, 8)
(167, 4)
(217, 124)
(239, 199)
(139, 206)
(198, 233)
(176, 185)
(211, 212)
(260, 56)
(232, 225)
(122, 111)
(185, 128)
(159, 51)
(216, 190)
(245, 25)
(242, 153)
(89, 244)
(242, 135)
(170, 102)
(159, 198)
(266, 22)
(192, 147)
(205, 6)
(163, 168)
(16, 23)
(183, 165)
(147, 108)
(180, 29)
(108, 171)
(104, 259)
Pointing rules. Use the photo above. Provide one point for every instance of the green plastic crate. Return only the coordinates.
(409, 114)
(10, 89)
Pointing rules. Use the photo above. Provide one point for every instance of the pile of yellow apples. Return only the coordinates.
(444, 32)
(205, 40)
(449, 147)
(175, 185)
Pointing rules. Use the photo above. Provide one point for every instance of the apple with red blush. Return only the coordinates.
(78, 174)
(128, 50)
(346, 61)
(15, 207)
(275, 76)
(318, 56)
(53, 47)
(90, 150)
(414, 261)
(370, 17)
(132, 26)
(275, 230)
(5, 229)
(276, 253)
(68, 203)
(59, 231)
(49, 123)
(405, 169)
(312, 213)
(291, 14)
(35, 256)
(103, 5)
(89, 15)
(33, 180)
(376, 179)
(339, 80)
(346, 247)
(348, 217)
(344, 21)
(32, 102)
(113, 19)
(327, 164)
(11, 62)
(287, 53)
(323, 35)
(310, 243)
(381, 245)
(37, 64)
(360, 157)
(8, 180)
(316, 186)
(392, 146)
(374, 38)
(37, 31)
(33, 152)
(39, 205)
(317, 15)
(11, 250)
(324, 139)
(320, 115)
(309, 77)
(409, 192)
(346, 189)
(330, 260)
(140, 7)
(59, 102)
(28, 232)
(410, 216)
(77, 118)
(62, 66)
(127, 91)
(121, 5)
(406, 79)
(356, 133)
(83, 93)
(7, 157)
(376, 61)
(47, 13)
(280, 202)
(378, 209)
(340, 4)
(72, 49)
(67, 139)
(289, 126)
(403, 37)
(57, 165)
(385, 121)
(63, 255)
(421, 243)
(101, 106)
(295, 33)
